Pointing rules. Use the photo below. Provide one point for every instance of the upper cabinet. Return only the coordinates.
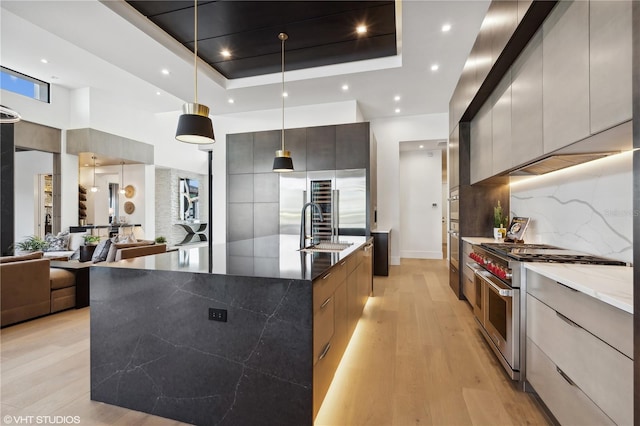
(321, 148)
(454, 158)
(501, 126)
(481, 151)
(610, 58)
(565, 75)
(352, 146)
(526, 103)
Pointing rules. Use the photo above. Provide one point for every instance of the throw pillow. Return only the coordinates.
(102, 251)
(111, 255)
(76, 239)
(58, 242)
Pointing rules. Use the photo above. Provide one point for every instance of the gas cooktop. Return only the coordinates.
(547, 253)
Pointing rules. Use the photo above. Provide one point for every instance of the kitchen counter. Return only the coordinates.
(610, 284)
(274, 256)
(478, 240)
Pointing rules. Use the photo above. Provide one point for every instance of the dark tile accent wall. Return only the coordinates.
(265, 145)
(266, 219)
(239, 221)
(6, 188)
(240, 188)
(352, 146)
(153, 348)
(296, 143)
(240, 153)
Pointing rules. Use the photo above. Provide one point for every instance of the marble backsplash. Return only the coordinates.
(586, 208)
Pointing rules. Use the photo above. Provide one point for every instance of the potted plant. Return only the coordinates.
(30, 244)
(498, 222)
(91, 240)
(161, 240)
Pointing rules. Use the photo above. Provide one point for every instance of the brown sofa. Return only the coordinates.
(30, 288)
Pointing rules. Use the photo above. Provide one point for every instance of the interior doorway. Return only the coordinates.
(421, 200)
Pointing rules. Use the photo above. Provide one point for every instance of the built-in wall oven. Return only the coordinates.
(500, 286)
(454, 242)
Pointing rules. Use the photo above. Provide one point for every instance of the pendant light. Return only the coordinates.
(94, 188)
(283, 161)
(122, 191)
(194, 125)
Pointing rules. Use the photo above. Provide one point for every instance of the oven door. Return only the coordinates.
(478, 299)
(501, 314)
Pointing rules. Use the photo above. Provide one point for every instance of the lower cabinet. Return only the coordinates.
(579, 376)
(339, 297)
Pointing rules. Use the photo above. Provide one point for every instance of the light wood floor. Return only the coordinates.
(416, 359)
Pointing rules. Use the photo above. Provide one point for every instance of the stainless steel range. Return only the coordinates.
(500, 286)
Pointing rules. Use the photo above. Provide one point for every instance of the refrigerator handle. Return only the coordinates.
(335, 213)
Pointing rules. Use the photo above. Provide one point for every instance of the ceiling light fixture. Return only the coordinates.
(421, 146)
(285, 95)
(7, 115)
(165, 71)
(434, 67)
(397, 110)
(231, 100)
(361, 29)
(345, 87)
(44, 61)
(283, 162)
(94, 188)
(122, 191)
(226, 53)
(194, 125)
(396, 98)
(446, 28)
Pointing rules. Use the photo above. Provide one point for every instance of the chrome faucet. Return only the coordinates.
(303, 222)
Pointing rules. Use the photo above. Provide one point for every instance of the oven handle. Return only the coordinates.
(501, 291)
(474, 266)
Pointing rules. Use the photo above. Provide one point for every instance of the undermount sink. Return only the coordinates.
(327, 247)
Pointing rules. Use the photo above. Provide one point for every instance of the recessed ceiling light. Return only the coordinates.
(361, 29)
(345, 87)
(421, 146)
(396, 98)
(446, 28)
(226, 53)
(44, 61)
(397, 110)
(158, 93)
(54, 77)
(165, 71)
(230, 100)
(285, 95)
(434, 67)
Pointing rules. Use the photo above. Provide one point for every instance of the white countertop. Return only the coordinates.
(610, 284)
(478, 240)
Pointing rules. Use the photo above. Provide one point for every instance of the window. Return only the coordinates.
(21, 84)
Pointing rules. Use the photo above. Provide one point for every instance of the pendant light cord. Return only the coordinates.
(94, 171)
(283, 38)
(195, 50)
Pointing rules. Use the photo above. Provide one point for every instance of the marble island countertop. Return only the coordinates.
(610, 284)
(274, 256)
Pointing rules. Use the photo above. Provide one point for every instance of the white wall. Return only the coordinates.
(421, 188)
(586, 208)
(28, 165)
(389, 132)
(307, 116)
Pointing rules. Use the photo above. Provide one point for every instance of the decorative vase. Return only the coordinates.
(497, 234)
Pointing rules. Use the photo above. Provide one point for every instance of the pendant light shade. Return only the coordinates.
(194, 125)
(94, 188)
(282, 162)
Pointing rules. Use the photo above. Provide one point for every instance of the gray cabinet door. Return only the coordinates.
(501, 125)
(352, 146)
(565, 75)
(240, 153)
(610, 63)
(526, 104)
(481, 152)
(453, 162)
(321, 148)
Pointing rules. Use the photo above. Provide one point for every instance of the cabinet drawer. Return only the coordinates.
(568, 403)
(352, 263)
(323, 327)
(468, 289)
(604, 374)
(323, 372)
(326, 284)
(610, 324)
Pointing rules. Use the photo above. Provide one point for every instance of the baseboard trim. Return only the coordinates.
(395, 260)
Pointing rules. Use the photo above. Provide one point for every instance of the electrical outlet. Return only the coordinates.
(218, 314)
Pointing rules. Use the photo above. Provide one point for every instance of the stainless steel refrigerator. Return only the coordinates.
(341, 194)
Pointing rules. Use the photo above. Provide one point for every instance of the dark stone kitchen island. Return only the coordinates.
(154, 347)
